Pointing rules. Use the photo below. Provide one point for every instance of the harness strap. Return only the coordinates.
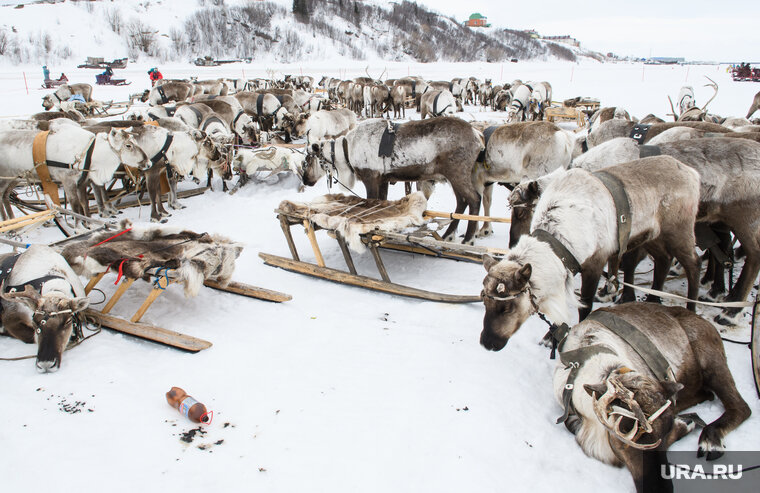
(87, 164)
(639, 132)
(622, 207)
(39, 156)
(161, 93)
(638, 341)
(162, 153)
(234, 120)
(560, 250)
(260, 105)
(649, 151)
(345, 155)
(487, 133)
(574, 360)
(197, 113)
(36, 284)
(435, 104)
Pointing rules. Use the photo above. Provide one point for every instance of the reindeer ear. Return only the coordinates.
(523, 275)
(488, 262)
(315, 148)
(78, 304)
(598, 388)
(533, 189)
(670, 388)
(28, 297)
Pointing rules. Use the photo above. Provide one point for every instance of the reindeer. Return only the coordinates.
(518, 108)
(536, 276)
(237, 121)
(216, 87)
(540, 99)
(502, 100)
(274, 159)
(518, 152)
(437, 103)
(324, 125)
(619, 406)
(168, 91)
(624, 128)
(428, 149)
(607, 113)
(40, 299)
(729, 172)
(687, 105)
(64, 92)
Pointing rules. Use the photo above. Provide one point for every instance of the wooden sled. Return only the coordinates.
(163, 280)
(423, 241)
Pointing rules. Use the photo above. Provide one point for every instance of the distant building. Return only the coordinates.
(477, 20)
(664, 60)
(532, 33)
(566, 39)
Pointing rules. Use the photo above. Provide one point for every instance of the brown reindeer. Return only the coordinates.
(619, 406)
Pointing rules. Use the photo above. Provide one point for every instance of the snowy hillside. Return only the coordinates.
(181, 30)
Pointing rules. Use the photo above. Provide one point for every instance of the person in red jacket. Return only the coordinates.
(154, 76)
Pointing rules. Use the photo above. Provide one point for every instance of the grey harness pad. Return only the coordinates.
(387, 140)
(638, 341)
(260, 104)
(161, 93)
(639, 132)
(435, 104)
(212, 119)
(622, 207)
(487, 133)
(649, 151)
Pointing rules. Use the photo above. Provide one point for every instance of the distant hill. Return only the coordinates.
(179, 30)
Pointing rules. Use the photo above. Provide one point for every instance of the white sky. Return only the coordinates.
(676, 28)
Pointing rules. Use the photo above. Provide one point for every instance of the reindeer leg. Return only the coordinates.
(451, 231)
(487, 197)
(718, 379)
(589, 282)
(173, 201)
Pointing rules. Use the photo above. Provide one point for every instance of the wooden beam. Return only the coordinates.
(285, 225)
(313, 241)
(94, 281)
(250, 291)
(755, 346)
(466, 217)
(362, 281)
(125, 284)
(152, 296)
(149, 332)
(346, 254)
(379, 262)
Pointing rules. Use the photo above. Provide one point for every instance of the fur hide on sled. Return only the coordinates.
(353, 216)
(192, 257)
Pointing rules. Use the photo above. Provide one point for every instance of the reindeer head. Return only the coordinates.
(522, 201)
(50, 320)
(313, 165)
(507, 298)
(637, 410)
(47, 102)
(299, 125)
(125, 145)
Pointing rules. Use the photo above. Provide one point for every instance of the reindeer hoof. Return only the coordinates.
(484, 233)
(727, 319)
(709, 445)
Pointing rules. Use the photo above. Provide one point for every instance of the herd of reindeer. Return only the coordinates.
(605, 196)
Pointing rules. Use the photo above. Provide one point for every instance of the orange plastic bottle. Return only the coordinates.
(185, 404)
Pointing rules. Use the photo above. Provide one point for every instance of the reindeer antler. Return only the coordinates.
(714, 85)
(674, 114)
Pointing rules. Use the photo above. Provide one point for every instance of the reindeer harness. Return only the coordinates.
(637, 340)
(487, 133)
(435, 105)
(6, 267)
(41, 164)
(639, 132)
(162, 93)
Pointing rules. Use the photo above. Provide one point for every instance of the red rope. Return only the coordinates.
(111, 238)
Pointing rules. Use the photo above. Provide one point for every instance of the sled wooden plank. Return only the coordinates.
(150, 332)
(478, 259)
(362, 281)
(466, 217)
(250, 291)
(313, 241)
(180, 195)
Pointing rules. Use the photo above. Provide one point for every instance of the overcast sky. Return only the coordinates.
(674, 28)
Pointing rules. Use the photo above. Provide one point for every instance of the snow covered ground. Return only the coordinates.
(340, 389)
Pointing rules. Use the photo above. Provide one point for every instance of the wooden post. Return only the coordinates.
(25, 84)
(313, 241)
(288, 237)
(346, 254)
(155, 293)
(379, 261)
(125, 284)
(94, 281)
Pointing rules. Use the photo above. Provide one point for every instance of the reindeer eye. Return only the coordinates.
(501, 288)
(38, 331)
